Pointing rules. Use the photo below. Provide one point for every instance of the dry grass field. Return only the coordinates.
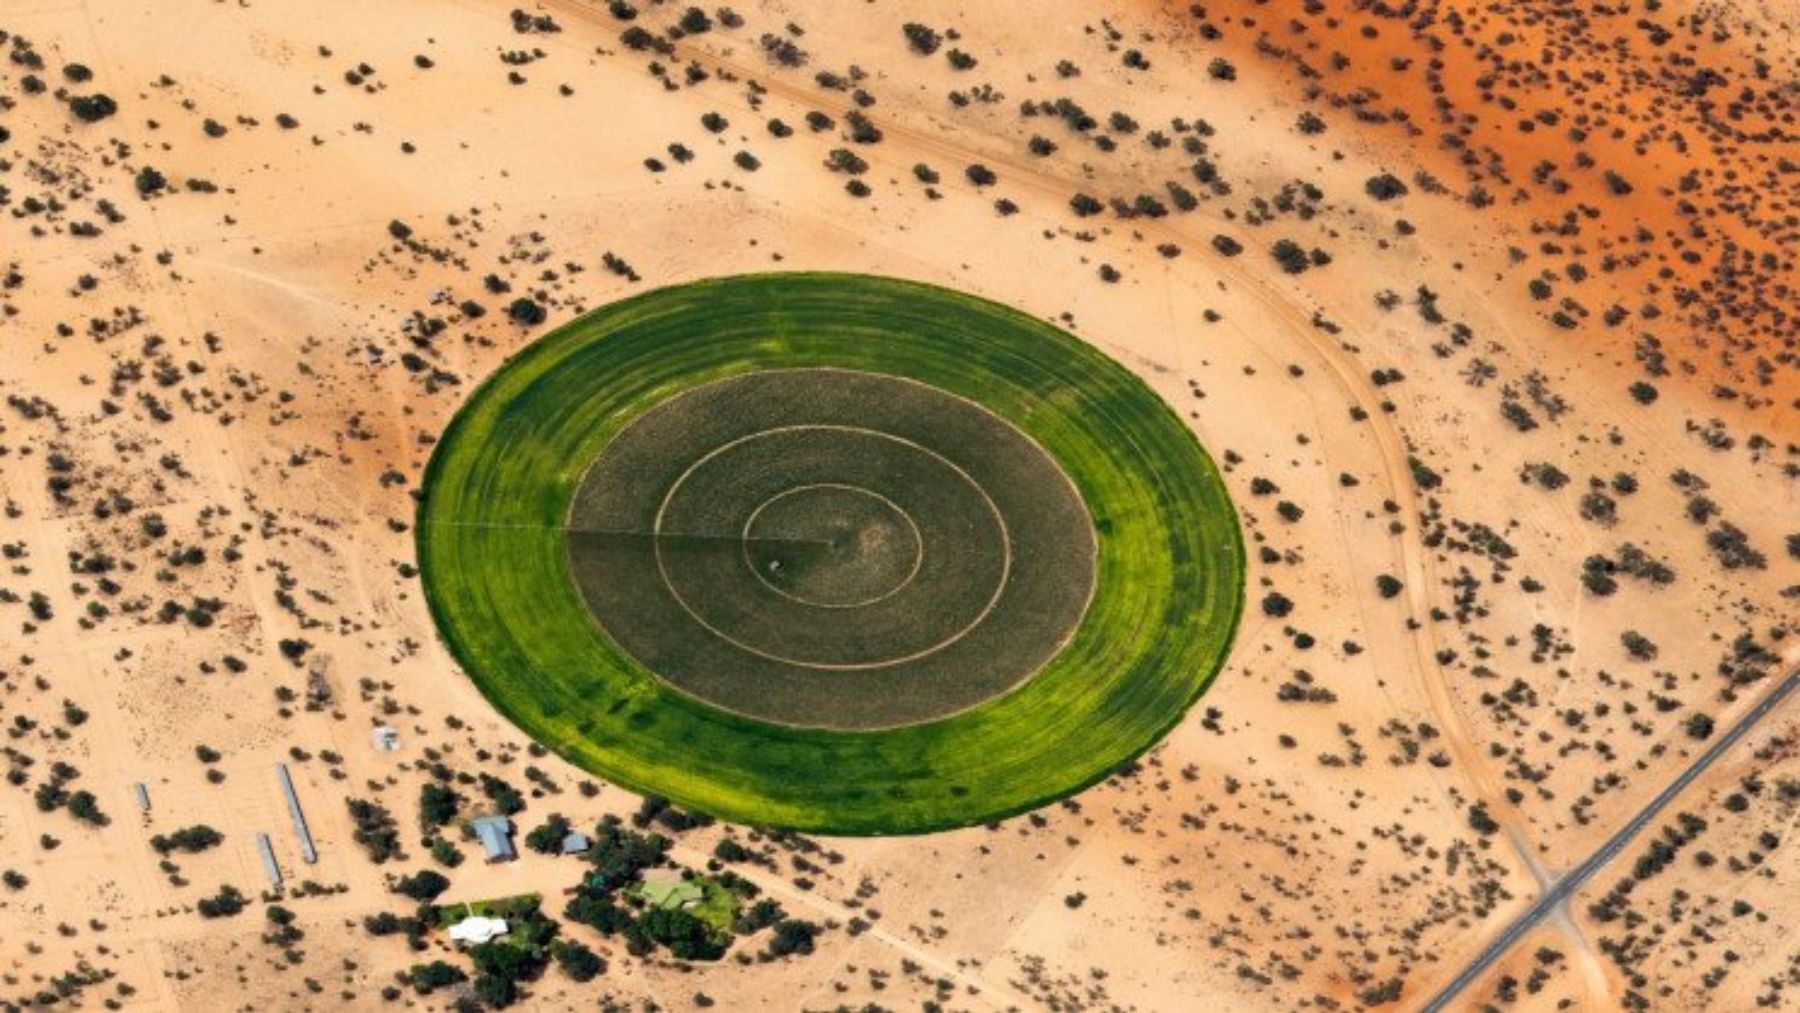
(1486, 311)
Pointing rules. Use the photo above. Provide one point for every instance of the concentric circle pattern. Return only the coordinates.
(830, 552)
(831, 545)
(831, 548)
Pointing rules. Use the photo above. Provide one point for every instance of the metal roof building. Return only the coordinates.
(307, 851)
(495, 835)
(270, 866)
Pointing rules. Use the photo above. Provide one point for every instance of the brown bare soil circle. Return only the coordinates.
(831, 548)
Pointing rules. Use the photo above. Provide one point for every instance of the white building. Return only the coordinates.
(476, 929)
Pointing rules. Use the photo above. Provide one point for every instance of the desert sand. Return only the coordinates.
(236, 313)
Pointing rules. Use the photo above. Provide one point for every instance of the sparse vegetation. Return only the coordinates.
(1488, 311)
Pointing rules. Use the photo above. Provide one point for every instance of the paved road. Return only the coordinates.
(1568, 884)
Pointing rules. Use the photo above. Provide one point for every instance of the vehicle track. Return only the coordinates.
(1566, 885)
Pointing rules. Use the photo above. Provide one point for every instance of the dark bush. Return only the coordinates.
(793, 935)
(190, 840)
(846, 161)
(149, 181)
(526, 312)
(1385, 187)
(1291, 256)
(922, 38)
(422, 886)
(577, 961)
(227, 902)
(435, 975)
(93, 108)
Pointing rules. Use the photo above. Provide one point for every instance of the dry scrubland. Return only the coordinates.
(1489, 312)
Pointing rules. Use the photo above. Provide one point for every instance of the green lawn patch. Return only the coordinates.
(445, 915)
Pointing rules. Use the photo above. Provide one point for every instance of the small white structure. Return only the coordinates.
(387, 739)
(476, 929)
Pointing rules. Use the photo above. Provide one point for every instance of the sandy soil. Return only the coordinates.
(259, 351)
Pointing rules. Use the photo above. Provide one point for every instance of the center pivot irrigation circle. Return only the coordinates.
(830, 552)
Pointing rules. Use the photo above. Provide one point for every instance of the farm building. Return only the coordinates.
(476, 929)
(495, 835)
(672, 894)
(270, 867)
(307, 851)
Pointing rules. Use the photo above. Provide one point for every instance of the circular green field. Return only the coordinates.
(836, 553)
